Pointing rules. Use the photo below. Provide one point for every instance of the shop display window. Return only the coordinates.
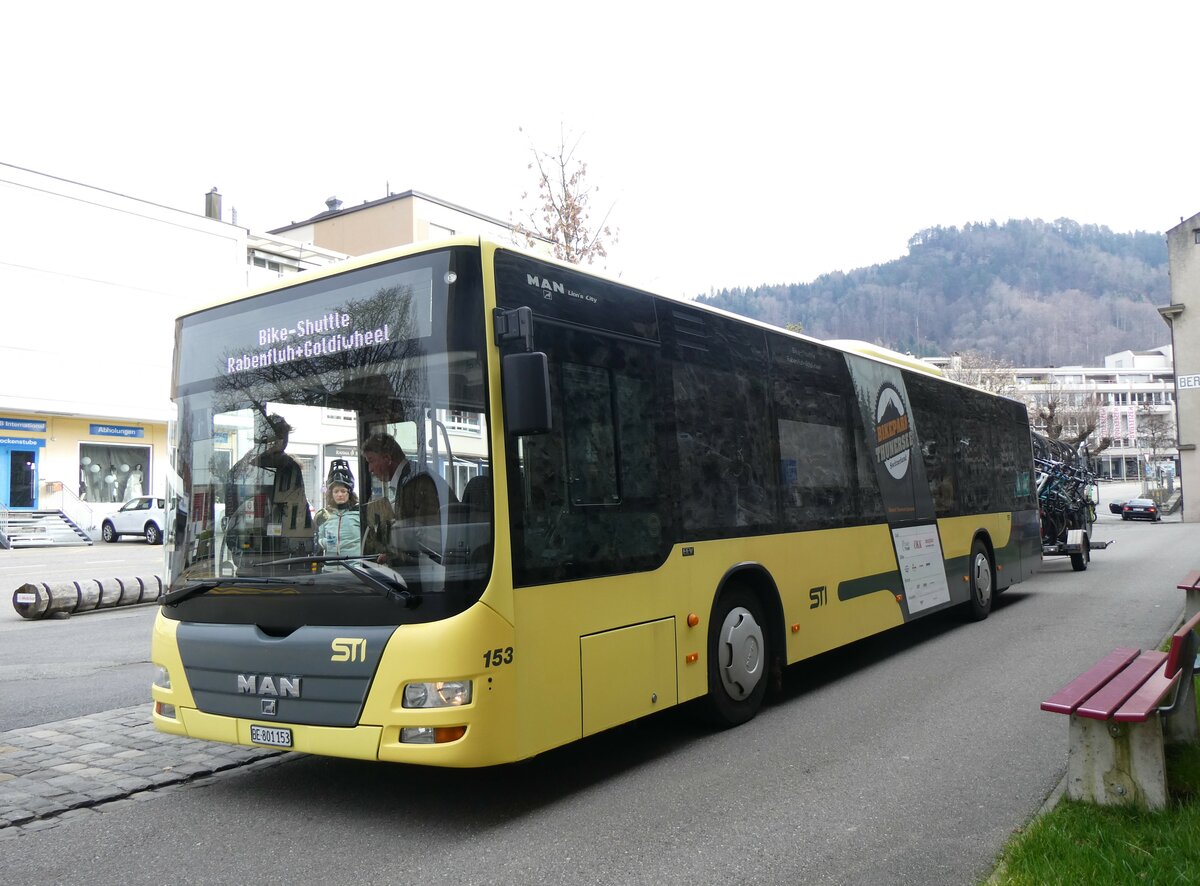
(113, 472)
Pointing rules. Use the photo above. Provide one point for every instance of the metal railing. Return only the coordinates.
(59, 497)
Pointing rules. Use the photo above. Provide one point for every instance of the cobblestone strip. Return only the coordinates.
(48, 771)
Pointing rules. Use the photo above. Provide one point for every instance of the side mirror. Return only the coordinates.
(526, 388)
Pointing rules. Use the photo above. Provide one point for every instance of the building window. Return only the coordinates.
(1196, 236)
(260, 262)
(463, 422)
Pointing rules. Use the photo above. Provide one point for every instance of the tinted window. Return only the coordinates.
(587, 496)
(722, 426)
(975, 448)
(825, 476)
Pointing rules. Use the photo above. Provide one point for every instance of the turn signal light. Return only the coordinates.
(431, 734)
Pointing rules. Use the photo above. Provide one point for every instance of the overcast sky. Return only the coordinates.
(735, 143)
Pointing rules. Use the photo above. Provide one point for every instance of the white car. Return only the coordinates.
(144, 515)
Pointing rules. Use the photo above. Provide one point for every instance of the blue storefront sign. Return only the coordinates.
(20, 442)
(115, 431)
(22, 424)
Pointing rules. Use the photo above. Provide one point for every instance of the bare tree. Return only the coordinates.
(1156, 435)
(1070, 417)
(984, 371)
(561, 214)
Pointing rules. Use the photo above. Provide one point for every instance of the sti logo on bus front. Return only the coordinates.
(893, 433)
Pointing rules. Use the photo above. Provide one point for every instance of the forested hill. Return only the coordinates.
(1035, 293)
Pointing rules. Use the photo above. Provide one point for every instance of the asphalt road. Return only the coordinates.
(907, 758)
(51, 669)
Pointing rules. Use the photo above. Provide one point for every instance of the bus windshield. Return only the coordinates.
(331, 445)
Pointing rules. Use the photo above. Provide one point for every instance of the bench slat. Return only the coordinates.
(1179, 644)
(1116, 691)
(1191, 582)
(1071, 696)
(1148, 698)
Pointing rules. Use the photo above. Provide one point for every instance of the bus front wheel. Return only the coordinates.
(738, 657)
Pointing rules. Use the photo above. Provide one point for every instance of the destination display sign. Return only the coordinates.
(338, 315)
(331, 333)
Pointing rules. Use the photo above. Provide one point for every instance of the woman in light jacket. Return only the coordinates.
(338, 527)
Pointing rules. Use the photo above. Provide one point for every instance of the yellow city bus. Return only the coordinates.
(637, 502)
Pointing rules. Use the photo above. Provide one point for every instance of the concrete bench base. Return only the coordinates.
(1111, 763)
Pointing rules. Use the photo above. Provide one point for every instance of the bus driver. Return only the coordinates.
(409, 501)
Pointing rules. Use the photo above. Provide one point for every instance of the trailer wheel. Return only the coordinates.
(1079, 562)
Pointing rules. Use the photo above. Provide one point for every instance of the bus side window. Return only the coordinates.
(936, 415)
(587, 412)
(825, 475)
(590, 502)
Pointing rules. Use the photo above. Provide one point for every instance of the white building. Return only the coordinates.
(1130, 389)
(1183, 257)
(93, 282)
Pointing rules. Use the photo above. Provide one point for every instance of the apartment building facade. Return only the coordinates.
(1131, 400)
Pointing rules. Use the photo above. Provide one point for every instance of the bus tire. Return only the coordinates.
(982, 580)
(738, 657)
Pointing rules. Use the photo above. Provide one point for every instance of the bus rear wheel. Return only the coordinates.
(738, 658)
(983, 582)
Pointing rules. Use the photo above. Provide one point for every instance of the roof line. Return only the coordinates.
(331, 213)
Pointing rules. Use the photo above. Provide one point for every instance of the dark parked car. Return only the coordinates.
(1140, 509)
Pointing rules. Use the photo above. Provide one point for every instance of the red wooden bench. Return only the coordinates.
(1122, 710)
(1191, 585)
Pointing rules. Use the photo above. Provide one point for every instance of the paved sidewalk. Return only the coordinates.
(50, 770)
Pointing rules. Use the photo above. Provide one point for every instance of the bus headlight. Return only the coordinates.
(162, 678)
(443, 694)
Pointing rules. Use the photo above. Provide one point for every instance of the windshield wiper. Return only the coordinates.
(197, 588)
(393, 585)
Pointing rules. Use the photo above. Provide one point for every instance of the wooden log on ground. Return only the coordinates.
(64, 599)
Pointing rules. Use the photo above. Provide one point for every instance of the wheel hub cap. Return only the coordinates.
(983, 579)
(741, 663)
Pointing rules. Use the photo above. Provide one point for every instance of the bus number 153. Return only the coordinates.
(493, 658)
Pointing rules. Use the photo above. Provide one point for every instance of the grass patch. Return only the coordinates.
(1082, 843)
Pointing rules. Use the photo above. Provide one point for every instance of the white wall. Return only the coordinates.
(92, 283)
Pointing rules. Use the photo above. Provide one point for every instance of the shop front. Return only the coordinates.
(83, 466)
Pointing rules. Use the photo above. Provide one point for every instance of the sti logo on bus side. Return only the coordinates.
(548, 287)
(278, 687)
